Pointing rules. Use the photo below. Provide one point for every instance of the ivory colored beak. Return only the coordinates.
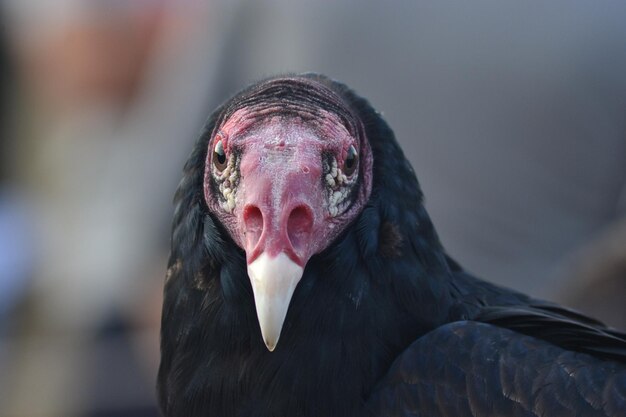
(273, 283)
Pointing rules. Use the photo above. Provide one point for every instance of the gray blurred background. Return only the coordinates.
(512, 113)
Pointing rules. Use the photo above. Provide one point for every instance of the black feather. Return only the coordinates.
(382, 291)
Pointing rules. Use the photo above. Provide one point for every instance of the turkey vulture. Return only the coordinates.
(306, 279)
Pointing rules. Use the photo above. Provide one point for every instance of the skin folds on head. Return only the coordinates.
(286, 176)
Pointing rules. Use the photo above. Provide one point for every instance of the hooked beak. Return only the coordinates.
(274, 280)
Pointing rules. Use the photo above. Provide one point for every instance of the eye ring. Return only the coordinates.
(351, 162)
(219, 156)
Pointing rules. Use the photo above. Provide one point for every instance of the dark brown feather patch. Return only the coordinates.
(173, 270)
(390, 240)
(201, 282)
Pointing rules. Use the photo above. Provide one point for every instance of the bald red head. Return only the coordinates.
(286, 175)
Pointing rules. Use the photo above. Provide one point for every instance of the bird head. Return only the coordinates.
(287, 168)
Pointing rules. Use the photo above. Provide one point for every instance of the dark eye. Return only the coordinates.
(351, 162)
(219, 156)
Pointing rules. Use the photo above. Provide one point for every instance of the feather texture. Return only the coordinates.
(476, 369)
(383, 292)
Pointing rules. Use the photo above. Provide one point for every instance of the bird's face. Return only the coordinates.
(285, 182)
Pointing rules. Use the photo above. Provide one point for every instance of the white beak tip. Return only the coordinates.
(273, 282)
(270, 346)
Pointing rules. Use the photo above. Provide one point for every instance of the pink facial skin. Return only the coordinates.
(276, 196)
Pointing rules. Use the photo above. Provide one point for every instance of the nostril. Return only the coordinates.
(253, 223)
(299, 226)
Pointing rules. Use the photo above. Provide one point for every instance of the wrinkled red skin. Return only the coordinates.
(281, 201)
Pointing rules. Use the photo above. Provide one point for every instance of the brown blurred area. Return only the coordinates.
(101, 115)
(513, 115)
(72, 63)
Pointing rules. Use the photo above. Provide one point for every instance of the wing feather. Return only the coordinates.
(477, 369)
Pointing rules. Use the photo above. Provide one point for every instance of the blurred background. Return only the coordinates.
(512, 113)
